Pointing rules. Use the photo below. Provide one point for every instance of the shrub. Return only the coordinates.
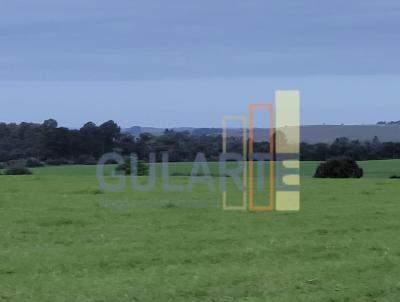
(17, 167)
(339, 168)
(33, 162)
(395, 176)
(125, 168)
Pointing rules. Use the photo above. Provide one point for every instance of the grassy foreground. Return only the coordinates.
(63, 239)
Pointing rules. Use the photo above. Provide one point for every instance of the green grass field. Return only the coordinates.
(64, 239)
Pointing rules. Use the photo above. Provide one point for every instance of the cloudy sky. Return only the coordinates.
(186, 63)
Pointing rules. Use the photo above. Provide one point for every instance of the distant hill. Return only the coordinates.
(137, 130)
(326, 134)
(309, 134)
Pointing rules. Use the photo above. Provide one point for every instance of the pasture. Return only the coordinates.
(64, 239)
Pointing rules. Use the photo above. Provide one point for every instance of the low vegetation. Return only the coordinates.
(341, 167)
(142, 168)
(17, 167)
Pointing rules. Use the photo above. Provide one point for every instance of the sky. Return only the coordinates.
(169, 63)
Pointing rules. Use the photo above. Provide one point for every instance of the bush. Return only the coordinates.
(395, 176)
(33, 162)
(125, 168)
(339, 168)
(17, 167)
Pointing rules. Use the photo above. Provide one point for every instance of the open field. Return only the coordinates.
(63, 239)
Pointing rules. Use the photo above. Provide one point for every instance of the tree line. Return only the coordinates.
(51, 144)
(355, 149)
